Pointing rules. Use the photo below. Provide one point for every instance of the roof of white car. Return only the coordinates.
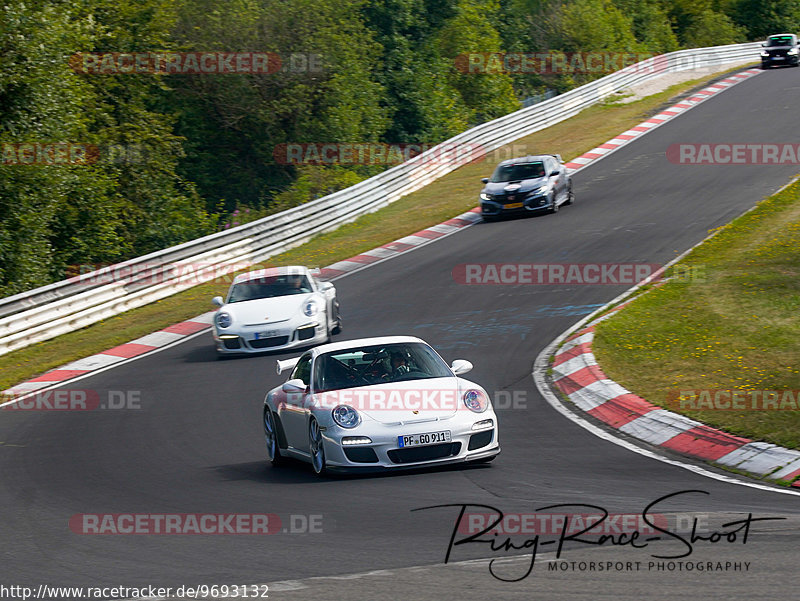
(362, 342)
(271, 272)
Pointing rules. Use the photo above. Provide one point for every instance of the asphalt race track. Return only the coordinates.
(196, 444)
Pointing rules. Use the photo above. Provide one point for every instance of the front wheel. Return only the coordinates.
(570, 195)
(316, 448)
(554, 208)
(271, 438)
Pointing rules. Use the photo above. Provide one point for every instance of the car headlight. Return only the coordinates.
(476, 401)
(793, 51)
(346, 416)
(224, 320)
(311, 308)
(764, 53)
(485, 196)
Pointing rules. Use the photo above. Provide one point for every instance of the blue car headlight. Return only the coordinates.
(224, 320)
(310, 308)
(476, 401)
(485, 196)
(346, 416)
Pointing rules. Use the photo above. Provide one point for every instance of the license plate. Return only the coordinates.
(267, 334)
(418, 440)
(514, 205)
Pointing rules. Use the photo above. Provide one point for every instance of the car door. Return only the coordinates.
(331, 305)
(294, 409)
(555, 180)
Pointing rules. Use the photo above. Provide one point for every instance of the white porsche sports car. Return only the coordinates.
(389, 402)
(276, 308)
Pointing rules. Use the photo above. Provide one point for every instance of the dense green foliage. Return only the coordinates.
(199, 150)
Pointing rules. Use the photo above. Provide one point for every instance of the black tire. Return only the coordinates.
(272, 439)
(570, 195)
(316, 448)
(337, 329)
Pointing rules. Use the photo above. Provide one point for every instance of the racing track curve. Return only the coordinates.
(196, 444)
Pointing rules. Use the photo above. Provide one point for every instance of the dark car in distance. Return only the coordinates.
(780, 49)
(524, 185)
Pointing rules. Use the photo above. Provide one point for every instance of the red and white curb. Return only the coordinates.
(186, 329)
(178, 332)
(387, 251)
(136, 348)
(576, 373)
(662, 117)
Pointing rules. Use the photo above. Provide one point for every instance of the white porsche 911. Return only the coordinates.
(389, 402)
(276, 308)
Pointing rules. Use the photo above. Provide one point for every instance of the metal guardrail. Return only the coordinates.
(66, 306)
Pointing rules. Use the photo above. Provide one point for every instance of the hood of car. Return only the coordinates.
(518, 187)
(268, 310)
(401, 402)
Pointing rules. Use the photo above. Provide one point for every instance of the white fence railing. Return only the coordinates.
(71, 304)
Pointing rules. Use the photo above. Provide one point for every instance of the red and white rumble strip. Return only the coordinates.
(662, 117)
(577, 374)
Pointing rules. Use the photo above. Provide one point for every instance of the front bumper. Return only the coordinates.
(384, 452)
(789, 59)
(533, 204)
(235, 341)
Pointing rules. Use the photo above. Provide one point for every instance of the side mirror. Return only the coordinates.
(325, 286)
(461, 366)
(485, 180)
(296, 385)
(555, 172)
(217, 300)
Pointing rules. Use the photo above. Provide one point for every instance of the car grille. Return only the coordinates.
(232, 343)
(428, 453)
(305, 333)
(269, 342)
(476, 441)
(360, 454)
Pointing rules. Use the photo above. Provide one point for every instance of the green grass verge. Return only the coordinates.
(729, 324)
(453, 194)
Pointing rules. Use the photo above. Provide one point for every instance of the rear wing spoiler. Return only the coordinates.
(558, 157)
(287, 364)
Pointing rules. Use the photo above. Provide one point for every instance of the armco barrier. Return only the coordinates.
(71, 304)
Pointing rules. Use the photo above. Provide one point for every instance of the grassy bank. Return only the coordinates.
(731, 325)
(449, 196)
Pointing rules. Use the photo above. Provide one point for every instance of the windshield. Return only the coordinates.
(784, 40)
(520, 171)
(365, 366)
(269, 287)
